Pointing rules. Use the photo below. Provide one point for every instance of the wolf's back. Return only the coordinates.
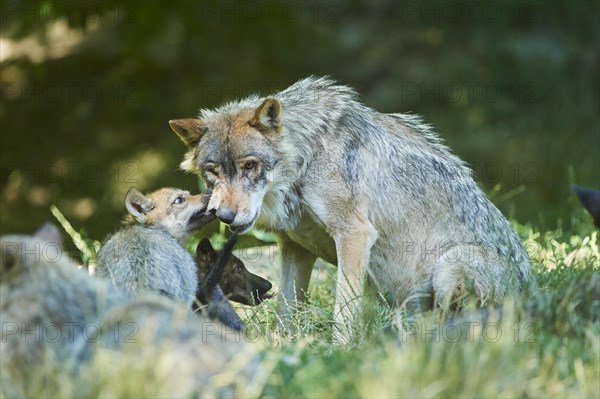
(418, 190)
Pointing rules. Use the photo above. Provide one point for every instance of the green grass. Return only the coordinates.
(546, 346)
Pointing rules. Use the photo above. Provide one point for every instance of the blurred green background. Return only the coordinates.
(88, 88)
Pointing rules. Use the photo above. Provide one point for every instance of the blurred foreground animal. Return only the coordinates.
(65, 333)
(590, 199)
(147, 254)
(378, 195)
(237, 282)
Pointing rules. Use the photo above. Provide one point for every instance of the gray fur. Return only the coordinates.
(61, 326)
(381, 189)
(143, 257)
(39, 284)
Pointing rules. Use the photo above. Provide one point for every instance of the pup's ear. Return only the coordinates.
(138, 204)
(49, 232)
(190, 131)
(205, 250)
(268, 117)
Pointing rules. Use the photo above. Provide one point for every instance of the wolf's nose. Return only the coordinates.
(267, 286)
(225, 215)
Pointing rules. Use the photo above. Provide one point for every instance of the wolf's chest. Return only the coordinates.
(284, 212)
(311, 235)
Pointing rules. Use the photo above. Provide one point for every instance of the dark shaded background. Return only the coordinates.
(88, 88)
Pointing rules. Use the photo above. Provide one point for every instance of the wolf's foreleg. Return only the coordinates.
(353, 250)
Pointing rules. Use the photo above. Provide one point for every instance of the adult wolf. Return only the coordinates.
(374, 193)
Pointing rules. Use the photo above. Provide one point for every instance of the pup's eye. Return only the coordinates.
(237, 269)
(210, 168)
(249, 165)
(179, 200)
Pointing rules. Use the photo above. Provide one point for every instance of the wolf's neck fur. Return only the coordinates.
(310, 107)
(315, 110)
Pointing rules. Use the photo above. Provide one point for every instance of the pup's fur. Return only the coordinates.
(237, 282)
(373, 193)
(210, 293)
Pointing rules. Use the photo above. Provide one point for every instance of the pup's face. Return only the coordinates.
(176, 210)
(236, 156)
(237, 283)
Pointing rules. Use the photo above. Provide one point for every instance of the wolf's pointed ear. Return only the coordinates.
(205, 250)
(268, 117)
(190, 131)
(138, 204)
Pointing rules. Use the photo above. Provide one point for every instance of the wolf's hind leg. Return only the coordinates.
(472, 269)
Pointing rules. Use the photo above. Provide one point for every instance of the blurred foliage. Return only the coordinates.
(88, 88)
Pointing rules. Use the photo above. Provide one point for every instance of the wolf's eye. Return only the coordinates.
(237, 269)
(179, 200)
(249, 166)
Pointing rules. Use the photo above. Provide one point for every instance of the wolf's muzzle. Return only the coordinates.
(225, 215)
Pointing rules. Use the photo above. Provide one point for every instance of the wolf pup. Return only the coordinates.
(210, 293)
(376, 194)
(237, 283)
(148, 253)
